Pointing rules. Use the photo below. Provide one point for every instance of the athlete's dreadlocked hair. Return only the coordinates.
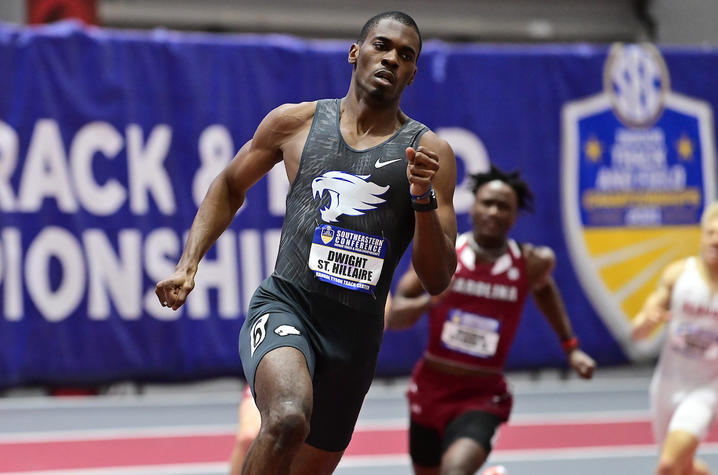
(401, 17)
(513, 179)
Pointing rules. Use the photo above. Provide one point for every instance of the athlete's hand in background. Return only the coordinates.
(423, 165)
(172, 292)
(581, 363)
(648, 320)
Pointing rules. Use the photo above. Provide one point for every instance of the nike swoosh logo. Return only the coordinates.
(379, 163)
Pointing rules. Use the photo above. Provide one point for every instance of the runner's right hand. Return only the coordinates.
(172, 292)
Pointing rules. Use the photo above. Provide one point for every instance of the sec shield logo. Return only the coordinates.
(638, 168)
(327, 234)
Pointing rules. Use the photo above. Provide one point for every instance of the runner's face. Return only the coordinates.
(385, 62)
(709, 243)
(494, 213)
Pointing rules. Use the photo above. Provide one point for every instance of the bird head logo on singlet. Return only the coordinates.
(348, 194)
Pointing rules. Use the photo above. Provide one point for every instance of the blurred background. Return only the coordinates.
(116, 114)
(664, 21)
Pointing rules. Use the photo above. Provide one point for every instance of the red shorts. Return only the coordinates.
(437, 398)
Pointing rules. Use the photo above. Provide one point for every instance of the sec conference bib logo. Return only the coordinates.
(638, 170)
(327, 234)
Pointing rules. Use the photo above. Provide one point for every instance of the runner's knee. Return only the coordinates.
(463, 461)
(287, 425)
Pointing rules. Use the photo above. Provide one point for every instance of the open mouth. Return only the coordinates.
(385, 76)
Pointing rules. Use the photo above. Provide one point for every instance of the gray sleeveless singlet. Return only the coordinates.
(359, 194)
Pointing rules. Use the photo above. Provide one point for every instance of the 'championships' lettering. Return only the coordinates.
(101, 275)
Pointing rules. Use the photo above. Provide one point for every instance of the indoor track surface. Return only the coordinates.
(559, 426)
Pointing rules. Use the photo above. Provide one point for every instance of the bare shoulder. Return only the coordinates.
(289, 117)
(540, 262)
(672, 272)
(539, 254)
(436, 144)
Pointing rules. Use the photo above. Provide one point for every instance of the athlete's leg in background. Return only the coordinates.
(688, 426)
(248, 423)
(700, 467)
(419, 470)
(463, 457)
(468, 440)
(677, 453)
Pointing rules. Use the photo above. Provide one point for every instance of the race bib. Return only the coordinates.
(695, 341)
(349, 259)
(472, 334)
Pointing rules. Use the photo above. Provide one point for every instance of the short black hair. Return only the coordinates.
(524, 195)
(401, 17)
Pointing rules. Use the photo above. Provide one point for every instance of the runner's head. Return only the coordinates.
(384, 56)
(401, 17)
(498, 197)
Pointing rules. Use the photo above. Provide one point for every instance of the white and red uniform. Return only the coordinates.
(685, 382)
(472, 328)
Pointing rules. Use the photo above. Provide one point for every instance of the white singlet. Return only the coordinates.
(685, 382)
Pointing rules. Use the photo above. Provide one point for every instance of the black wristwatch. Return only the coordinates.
(424, 206)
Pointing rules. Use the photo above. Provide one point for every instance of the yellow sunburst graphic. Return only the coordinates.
(630, 261)
(685, 148)
(593, 149)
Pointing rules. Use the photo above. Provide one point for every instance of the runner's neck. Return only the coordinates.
(487, 253)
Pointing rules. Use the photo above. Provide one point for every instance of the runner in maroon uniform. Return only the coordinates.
(458, 395)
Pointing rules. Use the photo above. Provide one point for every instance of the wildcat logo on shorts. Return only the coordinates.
(258, 332)
(638, 169)
(284, 330)
(349, 194)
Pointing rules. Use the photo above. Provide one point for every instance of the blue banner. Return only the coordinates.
(109, 140)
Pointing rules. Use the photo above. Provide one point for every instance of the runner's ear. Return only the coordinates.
(353, 53)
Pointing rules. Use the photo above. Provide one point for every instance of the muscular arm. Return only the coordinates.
(655, 308)
(434, 256)
(540, 262)
(224, 197)
(226, 194)
(408, 303)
